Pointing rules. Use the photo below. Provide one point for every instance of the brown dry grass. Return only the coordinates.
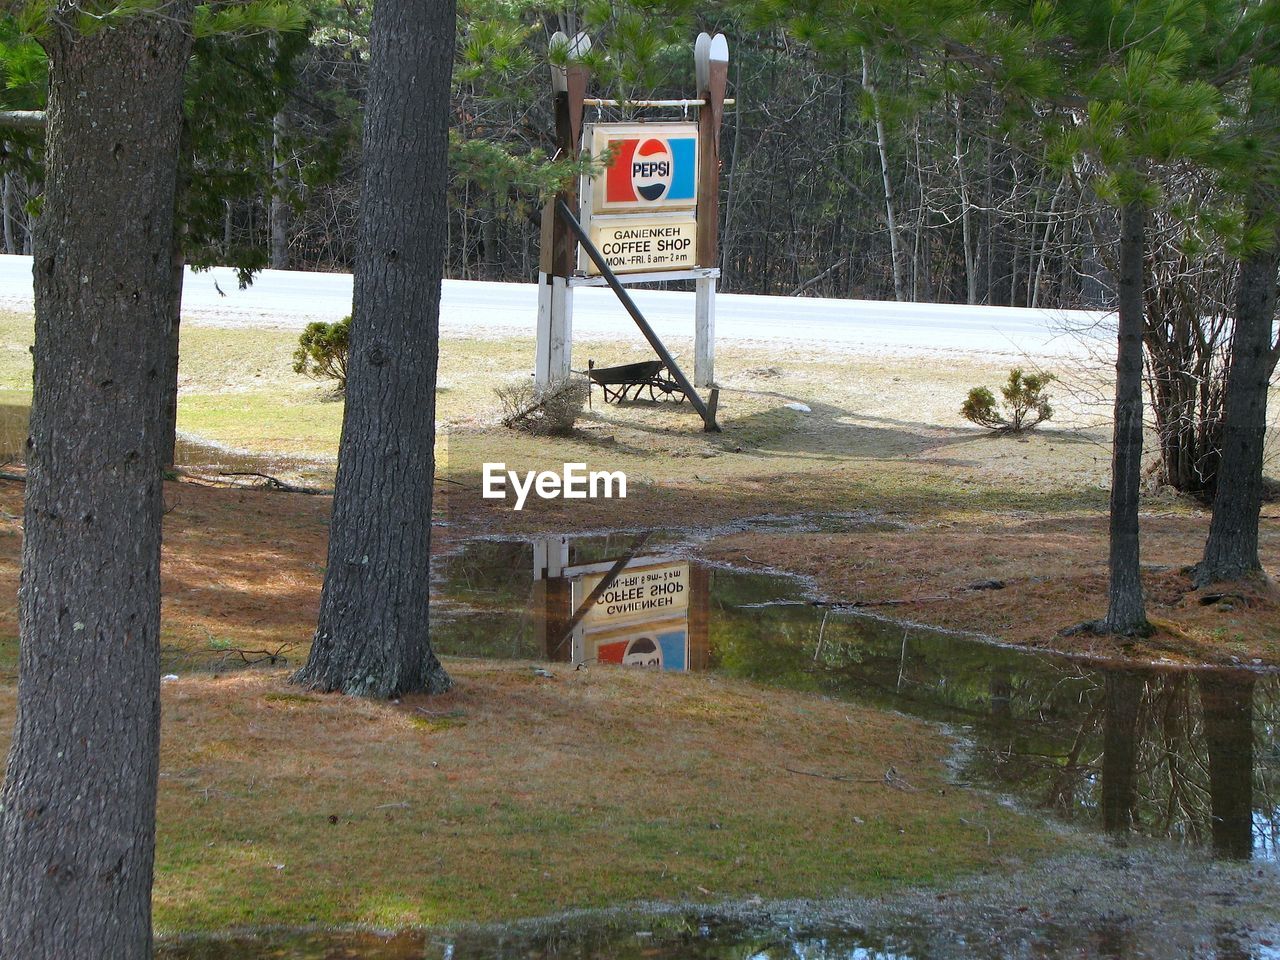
(514, 795)
(1055, 575)
(517, 795)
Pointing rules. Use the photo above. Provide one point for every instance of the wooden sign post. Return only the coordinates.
(558, 252)
(653, 214)
(711, 61)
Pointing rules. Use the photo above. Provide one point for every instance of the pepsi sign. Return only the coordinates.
(652, 166)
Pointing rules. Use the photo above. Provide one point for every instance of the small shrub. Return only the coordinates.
(1025, 403)
(551, 410)
(322, 351)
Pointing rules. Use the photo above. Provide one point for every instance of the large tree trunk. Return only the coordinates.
(1231, 551)
(372, 638)
(77, 831)
(1126, 612)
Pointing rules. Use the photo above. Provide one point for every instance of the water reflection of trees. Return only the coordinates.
(1189, 755)
(1193, 756)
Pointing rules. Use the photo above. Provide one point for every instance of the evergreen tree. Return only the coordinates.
(23, 79)
(241, 74)
(373, 634)
(1130, 100)
(77, 813)
(1251, 164)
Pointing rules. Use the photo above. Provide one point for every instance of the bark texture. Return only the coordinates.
(1231, 552)
(279, 210)
(169, 375)
(1126, 610)
(77, 827)
(372, 638)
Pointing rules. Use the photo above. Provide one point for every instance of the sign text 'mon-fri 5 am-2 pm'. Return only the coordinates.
(637, 243)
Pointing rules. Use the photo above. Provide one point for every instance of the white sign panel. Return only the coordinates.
(653, 167)
(644, 244)
(637, 594)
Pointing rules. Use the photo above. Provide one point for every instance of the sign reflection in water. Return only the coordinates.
(1192, 755)
(631, 610)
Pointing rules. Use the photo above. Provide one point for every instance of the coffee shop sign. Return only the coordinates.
(644, 593)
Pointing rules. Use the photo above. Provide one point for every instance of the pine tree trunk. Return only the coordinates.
(1231, 551)
(279, 210)
(1126, 613)
(489, 239)
(77, 831)
(177, 275)
(169, 412)
(28, 219)
(1033, 298)
(966, 215)
(6, 200)
(891, 221)
(372, 638)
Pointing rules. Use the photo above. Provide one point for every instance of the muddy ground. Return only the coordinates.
(914, 505)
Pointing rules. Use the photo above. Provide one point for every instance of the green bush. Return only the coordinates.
(322, 351)
(1025, 403)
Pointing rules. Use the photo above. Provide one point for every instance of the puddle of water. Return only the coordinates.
(695, 939)
(1189, 755)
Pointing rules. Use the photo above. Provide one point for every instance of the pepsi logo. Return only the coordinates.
(648, 170)
(643, 652)
(651, 169)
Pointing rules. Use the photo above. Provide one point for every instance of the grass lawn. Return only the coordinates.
(519, 794)
(514, 795)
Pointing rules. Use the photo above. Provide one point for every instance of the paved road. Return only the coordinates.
(290, 299)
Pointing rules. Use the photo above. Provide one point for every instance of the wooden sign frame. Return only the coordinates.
(561, 269)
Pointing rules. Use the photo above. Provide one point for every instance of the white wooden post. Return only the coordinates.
(554, 345)
(553, 351)
(561, 344)
(542, 345)
(704, 332)
(550, 557)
